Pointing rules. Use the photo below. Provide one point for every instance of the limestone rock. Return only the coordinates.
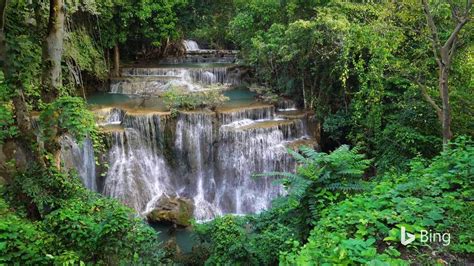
(175, 210)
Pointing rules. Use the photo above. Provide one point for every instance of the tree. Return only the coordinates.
(51, 76)
(3, 8)
(15, 90)
(443, 54)
(52, 51)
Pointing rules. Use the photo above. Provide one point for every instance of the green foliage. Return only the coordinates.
(176, 98)
(47, 189)
(66, 115)
(342, 169)
(227, 240)
(322, 179)
(102, 230)
(21, 241)
(207, 21)
(81, 49)
(243, 240)
(74, 224)
(366, 228)
(7, 126)
(146, 22)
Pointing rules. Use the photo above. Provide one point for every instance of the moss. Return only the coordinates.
(178, 211)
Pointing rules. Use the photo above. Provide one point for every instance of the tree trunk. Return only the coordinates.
(116, 72)
(3, 52)
(446, 108)
(51, 79)
(52, 52)
(443, 55)
(305, 103)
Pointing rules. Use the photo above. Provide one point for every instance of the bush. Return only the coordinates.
(102, 230)
(175, 99)
(22, 241)
(227, 240)
(72, 224)
(40, 191)
(366, 228)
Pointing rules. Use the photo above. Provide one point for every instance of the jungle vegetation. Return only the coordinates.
(390, 84)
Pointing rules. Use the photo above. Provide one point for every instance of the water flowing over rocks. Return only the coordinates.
(200, 162)
(154, 81)
(199, 69)
(80, 156)
(206, 156)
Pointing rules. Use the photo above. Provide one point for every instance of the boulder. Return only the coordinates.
(174, 210)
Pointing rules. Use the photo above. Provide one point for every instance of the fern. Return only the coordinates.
(321, 178)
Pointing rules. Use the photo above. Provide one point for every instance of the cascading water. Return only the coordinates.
(286, 105)
(214, 155)
(153, 81)
(194, 144)
(199, 75)
(81, 157)
(137, 171)
(190, 45)
(208, 157)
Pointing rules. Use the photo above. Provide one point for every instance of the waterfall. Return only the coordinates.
(156, 80)
(213, 157)
(138, 172)
(81, 158)
(153, 81)
(194, 144)
(109, 116)
(253, 113)
(208, 157)
(191, 45)
(245, 151)
(286, 105)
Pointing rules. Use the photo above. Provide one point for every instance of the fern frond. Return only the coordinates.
(311, 153)
(346, 187)
(298, 157)
(298, 186)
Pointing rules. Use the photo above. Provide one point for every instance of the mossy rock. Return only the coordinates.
(174, 210)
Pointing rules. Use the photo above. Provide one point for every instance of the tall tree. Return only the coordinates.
(52, 51)
(116, 68)
(51, 76)
(443, 53)
(3, 8)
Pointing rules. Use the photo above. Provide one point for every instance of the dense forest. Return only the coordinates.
(357, 134)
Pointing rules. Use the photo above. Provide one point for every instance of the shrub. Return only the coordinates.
(365, 228)
(102, 230)
(21, 241)
(175, 99)
(83, 225)
(227, 240)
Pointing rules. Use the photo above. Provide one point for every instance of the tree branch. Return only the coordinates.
(451, 51)
(435, 43)
(457, 29)
(430, 100)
